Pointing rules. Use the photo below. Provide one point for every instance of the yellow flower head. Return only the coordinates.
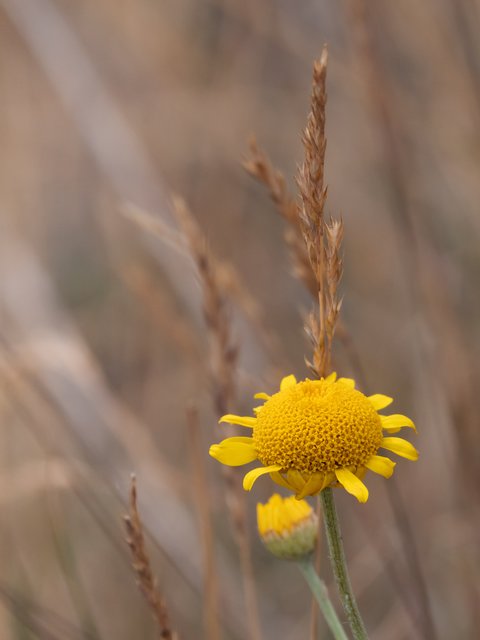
(315, 434)
(287, 527)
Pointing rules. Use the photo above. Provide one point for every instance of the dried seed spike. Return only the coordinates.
(141, 564)
(215, 307)
(259, 166)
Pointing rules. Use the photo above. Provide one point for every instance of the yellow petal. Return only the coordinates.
(348, 382)
(395, 422)
(312, 486)
(242, 439)
(251, 476)
(277, 477)
(331, 378)
(352, 484)
(381, 465)
(287, 382)
(329, 478)
(296, 479)
(401, 447)
(234, 451)
(298, 510)
(244, 421)
(262, 396)
(380, 401)
(261, 519)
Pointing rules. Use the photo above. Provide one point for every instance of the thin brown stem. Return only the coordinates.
(141, 564)
(223, 363)
(204, 509)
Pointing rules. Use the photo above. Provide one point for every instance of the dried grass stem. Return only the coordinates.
(141, 565)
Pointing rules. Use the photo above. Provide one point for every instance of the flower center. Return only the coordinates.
(317, 425)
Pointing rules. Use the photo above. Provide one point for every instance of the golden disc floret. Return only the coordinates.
(317, 425)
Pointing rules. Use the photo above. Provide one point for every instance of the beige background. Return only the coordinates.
(106, 104)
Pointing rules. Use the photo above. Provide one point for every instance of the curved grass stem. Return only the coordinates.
(339, 565)
(320, 593)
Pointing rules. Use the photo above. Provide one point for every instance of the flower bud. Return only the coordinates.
(288, 527)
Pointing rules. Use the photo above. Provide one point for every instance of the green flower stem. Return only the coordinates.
(339, 565)
(320, 592)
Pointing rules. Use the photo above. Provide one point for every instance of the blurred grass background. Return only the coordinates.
(105, 105)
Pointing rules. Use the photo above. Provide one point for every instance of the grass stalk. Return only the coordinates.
(339, 565)
(320, 594)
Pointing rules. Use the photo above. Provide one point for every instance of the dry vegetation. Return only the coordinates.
(124, 334)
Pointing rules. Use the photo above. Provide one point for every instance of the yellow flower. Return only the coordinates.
(315, 434)
(287, 527)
